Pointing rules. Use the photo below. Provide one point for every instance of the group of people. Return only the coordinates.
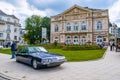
(112, 45)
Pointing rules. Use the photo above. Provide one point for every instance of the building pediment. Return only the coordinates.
(76, 10)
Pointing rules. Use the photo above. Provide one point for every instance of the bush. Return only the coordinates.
(52, 46)
(81, 47)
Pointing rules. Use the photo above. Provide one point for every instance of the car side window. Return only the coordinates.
(23, 51)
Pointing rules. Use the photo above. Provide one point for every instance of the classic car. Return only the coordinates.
(39, 57)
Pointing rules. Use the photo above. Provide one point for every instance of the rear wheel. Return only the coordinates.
(34, 64)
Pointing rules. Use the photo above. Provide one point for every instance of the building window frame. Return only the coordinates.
(8, 19)
(15, 38)
(83, 40)
(76, 26)
(83, 25)
(68, 40)
(99, 39)
(15, 29)
(99, 25)
(56, 28)
(75, 41)
(1, 34)
(68, 27)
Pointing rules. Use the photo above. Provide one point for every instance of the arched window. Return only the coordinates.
(56, 28)
(68, 40)
(76, 26)
(99, 25)
(83, 26)
(68, 27)
(99, 40)
(83, 40)
(76, 40)
(56, 38)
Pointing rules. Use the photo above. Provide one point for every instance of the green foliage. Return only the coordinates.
(5, 51)
(81, 47)
(80, 55)
(55, 43)
(52, 46)
(33, 26)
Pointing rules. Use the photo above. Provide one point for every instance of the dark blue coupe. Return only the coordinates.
(39, 57)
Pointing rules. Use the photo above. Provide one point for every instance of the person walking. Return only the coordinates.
(111, 45)
(13, 49)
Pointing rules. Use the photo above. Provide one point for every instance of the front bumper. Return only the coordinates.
(50, 64)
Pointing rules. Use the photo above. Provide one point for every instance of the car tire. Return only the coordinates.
(34, 64)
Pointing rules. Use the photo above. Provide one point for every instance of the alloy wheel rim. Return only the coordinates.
(35, 64)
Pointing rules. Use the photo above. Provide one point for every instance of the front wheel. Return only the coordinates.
(34, 64)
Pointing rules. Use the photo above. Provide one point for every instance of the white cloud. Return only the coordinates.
(21, 9)
(114, 13)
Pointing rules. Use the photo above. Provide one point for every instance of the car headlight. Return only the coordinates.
(46, 61)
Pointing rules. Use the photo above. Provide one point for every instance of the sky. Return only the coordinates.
(25, 8)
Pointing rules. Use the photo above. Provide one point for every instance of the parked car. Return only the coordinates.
(39, 57)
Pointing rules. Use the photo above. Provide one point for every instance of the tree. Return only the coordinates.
(46, 24)
(33, 28)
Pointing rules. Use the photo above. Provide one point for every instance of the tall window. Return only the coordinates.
(15, 37)
(83, 25)
(76, 26)
(8, 28)
(76, 40)
(56, 28)
(8, 37)
(83, 40)
(1, 34)
(99, 25)
(8, 19)
(68, 40)
(15, 29)
(68, 27)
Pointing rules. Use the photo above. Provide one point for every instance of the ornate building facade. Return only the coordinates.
(80, 25)
(9, 29)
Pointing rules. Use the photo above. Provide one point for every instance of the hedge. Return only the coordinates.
(81, 47)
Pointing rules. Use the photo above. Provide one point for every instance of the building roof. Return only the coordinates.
(4, 14)
(84, 8)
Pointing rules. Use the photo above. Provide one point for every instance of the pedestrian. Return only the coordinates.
(111, 45)
(13, 49)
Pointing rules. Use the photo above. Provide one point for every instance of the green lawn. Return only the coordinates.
(5, 51)
(81, 55)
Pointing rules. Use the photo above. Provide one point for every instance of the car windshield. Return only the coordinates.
(32, 50)
(41, 49)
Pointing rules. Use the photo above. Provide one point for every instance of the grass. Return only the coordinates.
(81, 55)
(5, 51)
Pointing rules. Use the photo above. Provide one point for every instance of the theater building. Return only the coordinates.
(80, 25)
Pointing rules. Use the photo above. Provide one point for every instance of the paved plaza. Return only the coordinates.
(107, 68)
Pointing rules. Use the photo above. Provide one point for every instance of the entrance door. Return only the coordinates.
(99, 40)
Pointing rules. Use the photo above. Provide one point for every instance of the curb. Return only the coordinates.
(8, 77)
